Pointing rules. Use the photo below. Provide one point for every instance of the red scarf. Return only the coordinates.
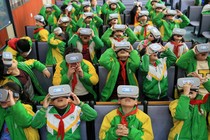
(123, 71)
(199, 102)
(61, 131)
(119, 39)
(146, 43)
(74, 81)
(37, 30)
(176, 47)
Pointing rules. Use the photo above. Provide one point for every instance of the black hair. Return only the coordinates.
(172, 38)
(15, 88)
(133, 13)
(23, 45)
(1, 69)
(63, 7)
(71, 49)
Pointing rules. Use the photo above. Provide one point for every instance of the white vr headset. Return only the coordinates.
(73, 57)
(128, 91)
(59, 91)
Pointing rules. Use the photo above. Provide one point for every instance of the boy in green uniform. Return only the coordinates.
(166, 23)
(63, 118)
(157, 8)
(127, 121)
(96, 9)
(189, 111)
(122, 62)
(154, 71)
(40, 33)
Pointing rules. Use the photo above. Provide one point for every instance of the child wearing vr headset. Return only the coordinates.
(63, 118)
(122, 63)
(22, 74)
(154, 71)
(189, 111)
(19, 47)
(16, 117)
(79, 73)
(127, 121)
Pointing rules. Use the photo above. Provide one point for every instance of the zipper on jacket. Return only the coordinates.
(159, 90)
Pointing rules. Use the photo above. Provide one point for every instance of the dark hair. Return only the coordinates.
(23, 45)
(15, 88)
(63, 7)
(133, 13)
(172, 38)
(1, 69)
(71, 49)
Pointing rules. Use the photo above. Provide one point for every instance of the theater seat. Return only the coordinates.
(102, 73)
(33, 53)
(42, 48)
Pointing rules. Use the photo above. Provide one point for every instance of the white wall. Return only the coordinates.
(47, 1)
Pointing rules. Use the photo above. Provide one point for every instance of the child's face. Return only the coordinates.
(118, 34)
(87, 9)
(143, 19)
(177, 37)
(113, 6)
(11, 69)
(93, 3)
(138, 10)
(48, 10)
(85, 38)
(150, 37)
(154, 56)
(60, 102)
(113, 21)
(127, 102)
(169, 17)
(5, 104)
(38, 23)
(88, 20)
(202, 56)
(158, 10)
(123, 55)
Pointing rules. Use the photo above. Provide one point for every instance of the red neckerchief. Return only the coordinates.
(123, 117)
(146, 43)
(199, 102)
(145, 30)
(155, 64)
(119, 39)
(61, 131)
(176, 47)
(37, 30)
(74, 81)
(123, 71)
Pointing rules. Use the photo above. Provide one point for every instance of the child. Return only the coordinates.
(176, 43)
(40, 33)
(122, 63)
(153, 37)
(113, 19)
(206, 8)
(50, 13)
(111, 7)
(116, 34)
(87, 43)
(19, 47)
(96, 9)
(150, 3)
(79, 73)
(56, 47)
(166, 23)
(63, 118)
(189, 111)
(134, 13)
(142, 29)
(157, 8)
(127, 121)
(16, 117)
(22, 74)
(154, 72)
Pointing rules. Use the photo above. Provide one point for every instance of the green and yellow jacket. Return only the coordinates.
(71, 122)
(106, 10)
(148, 5)
(56, 48)
(97, 10)
(155, 81)
(41, 34)
(109, 41)
(189, 120)
(94, 44)
(166, 27)
(139, 125)
(89, 79)
(142, 30)
(109, 60)
(16, 118)
(53, 17)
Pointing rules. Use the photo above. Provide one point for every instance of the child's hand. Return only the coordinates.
(186, 88)
(46, 73)
(46, 101)
(71, 71)
(163, 49)
(11, 98)
(79, 70)
(75, 100)
(179, 13)
(122, 130)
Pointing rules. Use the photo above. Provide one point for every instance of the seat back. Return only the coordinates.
(194, 13)
(184, 4)
(189, 44)
(59, 3)
(44, 81)
(43, 130)
(42, 48)
(102, 110)
(135, 45)
(33, 53)
(171, 79)
(30, 31)
(174, 3)
(204, 23)
(102, 73)
(161, 120)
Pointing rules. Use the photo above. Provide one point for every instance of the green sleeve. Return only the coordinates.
(121, 7)
(73, 25)
(39, 120)
(105, 8)
(60, 76)
(77, 8)
(198, 2)
(111, 133)
(66, 2)
(107, 59)
(105, 38)
(144, 65)
(42, 11)
(185, 21)
(33, 63)
(73, 40)
(98, 43)
(21, 116)
(171, 57)
(88, 113)
(135, 134)
(158, 19)
(98, 21)
(185, 59)
(148, 4)
(131, 36)
(38, 98)
(80, 22)
(182, 109)
(134, 60)
(57, 11)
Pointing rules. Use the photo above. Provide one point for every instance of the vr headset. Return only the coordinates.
(85, 31)
(178, 31)
(59, 91)
(127, 91)
(7, 61)
(203, 48)
(4, 95)
(113, 1)
(73, 57)
(124, 45)
(88, 14)
(192, 80)
(154, 47)
(119, 27)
